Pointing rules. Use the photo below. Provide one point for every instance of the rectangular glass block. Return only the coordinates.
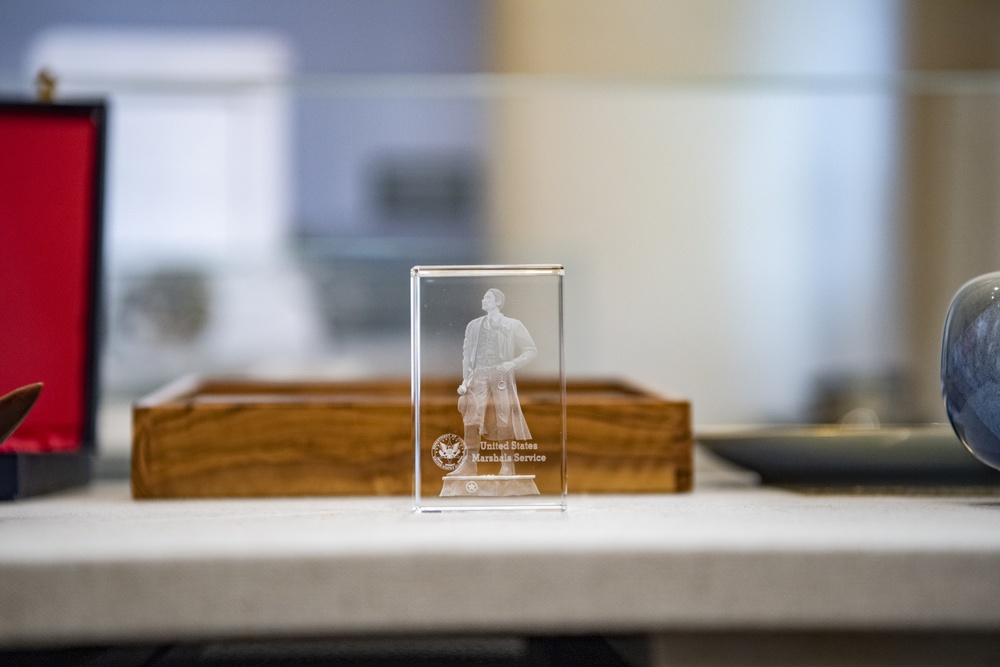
(489, 387)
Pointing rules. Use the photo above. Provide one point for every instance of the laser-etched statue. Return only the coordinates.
(495, 347)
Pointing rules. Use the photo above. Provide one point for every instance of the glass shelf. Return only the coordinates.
(493, 86)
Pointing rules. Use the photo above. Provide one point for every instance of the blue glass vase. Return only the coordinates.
(970, 366)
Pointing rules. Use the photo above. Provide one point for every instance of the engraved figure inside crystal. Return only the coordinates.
(494, 348)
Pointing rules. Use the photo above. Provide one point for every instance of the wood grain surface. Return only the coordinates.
(202, 438)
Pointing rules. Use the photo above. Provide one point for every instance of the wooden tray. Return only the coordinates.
(201, 438)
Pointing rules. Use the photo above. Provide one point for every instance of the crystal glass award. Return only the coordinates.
(489, 389)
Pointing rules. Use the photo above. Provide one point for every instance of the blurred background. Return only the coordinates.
(763, 206)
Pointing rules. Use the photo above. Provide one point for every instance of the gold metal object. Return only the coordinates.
(45, 86)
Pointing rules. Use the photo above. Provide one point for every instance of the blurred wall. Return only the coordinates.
(727, 239)
(951, 158)
(752, 208)
(335, 140)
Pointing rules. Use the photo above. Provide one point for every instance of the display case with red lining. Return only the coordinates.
(51, 202)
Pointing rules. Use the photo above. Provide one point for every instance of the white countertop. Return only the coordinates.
(93, 565)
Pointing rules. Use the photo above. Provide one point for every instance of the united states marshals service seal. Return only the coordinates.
(448, 451)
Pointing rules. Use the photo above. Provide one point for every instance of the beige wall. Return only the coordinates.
(950, 225)
(706, 225)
